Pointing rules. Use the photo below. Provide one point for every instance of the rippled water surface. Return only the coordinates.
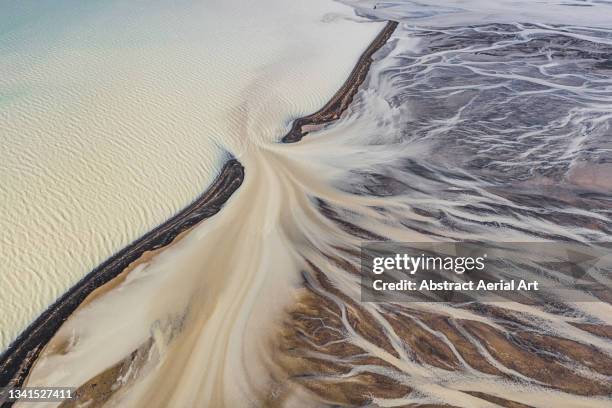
(115, 115)
(487, 121)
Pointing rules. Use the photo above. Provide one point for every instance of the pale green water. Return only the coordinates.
(115, 115)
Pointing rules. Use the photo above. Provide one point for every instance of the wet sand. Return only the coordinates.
(343, 98)
(17, 361)
(19, 358)
(115, 117)
(301, 216)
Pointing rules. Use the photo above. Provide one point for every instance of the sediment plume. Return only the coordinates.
(343, 98)
(17, 361)
(480, 133)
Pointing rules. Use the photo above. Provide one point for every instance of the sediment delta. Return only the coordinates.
(16, 362)
(449, 137)
(114, 117)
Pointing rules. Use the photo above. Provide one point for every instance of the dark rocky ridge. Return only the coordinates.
(16, 362)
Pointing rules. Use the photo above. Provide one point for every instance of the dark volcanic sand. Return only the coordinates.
(18, 359)
(343, 98)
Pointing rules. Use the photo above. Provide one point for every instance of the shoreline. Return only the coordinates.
(344, 96)
(17, 360)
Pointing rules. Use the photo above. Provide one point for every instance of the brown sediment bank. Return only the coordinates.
(18, 359)
(343, 98)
